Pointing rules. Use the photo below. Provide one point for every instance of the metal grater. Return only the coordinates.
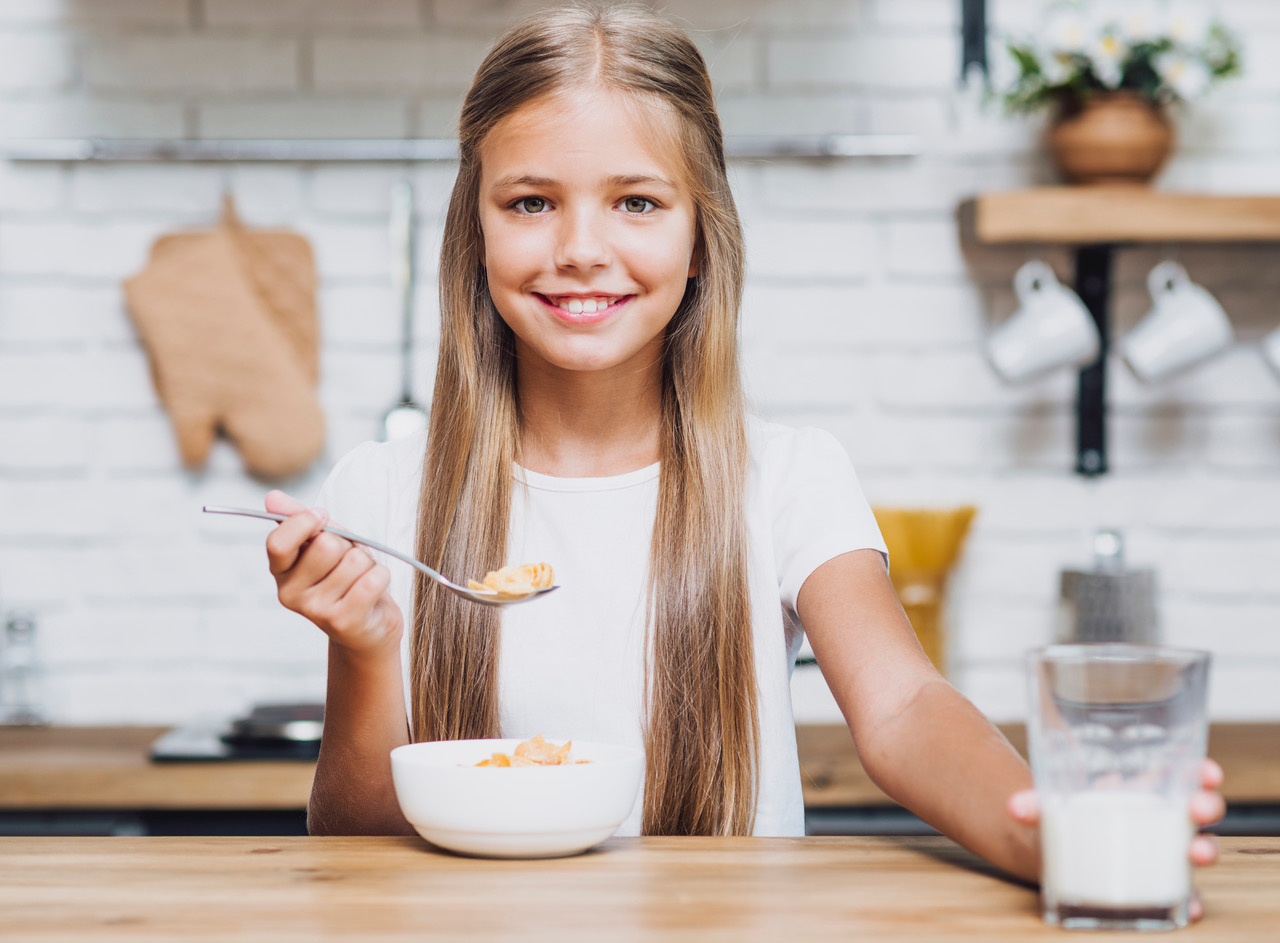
(1108, 603)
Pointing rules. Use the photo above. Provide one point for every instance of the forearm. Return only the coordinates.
(365, 718)
(943, 760)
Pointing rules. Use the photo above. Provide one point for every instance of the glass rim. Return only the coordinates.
(1118, 652)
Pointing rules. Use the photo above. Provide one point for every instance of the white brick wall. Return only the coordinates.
(865, 314)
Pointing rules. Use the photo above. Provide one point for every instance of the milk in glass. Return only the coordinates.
(1116, 735)
(1112, 848)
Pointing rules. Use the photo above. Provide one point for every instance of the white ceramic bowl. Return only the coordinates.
(515, 812)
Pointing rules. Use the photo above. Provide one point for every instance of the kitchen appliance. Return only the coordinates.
(1108, 603)
(267, 732)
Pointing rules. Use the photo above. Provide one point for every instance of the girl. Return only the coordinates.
(588, 412)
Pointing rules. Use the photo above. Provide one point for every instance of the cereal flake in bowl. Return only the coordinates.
(524, 810)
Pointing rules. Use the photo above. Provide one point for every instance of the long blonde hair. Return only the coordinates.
(701, 727)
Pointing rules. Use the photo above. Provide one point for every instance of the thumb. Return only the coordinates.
(277, 502)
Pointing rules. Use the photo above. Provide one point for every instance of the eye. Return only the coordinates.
(530, 204)
(638, 205)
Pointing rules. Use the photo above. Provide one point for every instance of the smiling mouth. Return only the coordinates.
(580, 304)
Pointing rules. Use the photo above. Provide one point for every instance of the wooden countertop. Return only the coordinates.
(108, 768)
(833, 776)
(631, 889)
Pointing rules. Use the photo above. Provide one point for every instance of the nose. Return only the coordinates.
(582, 241)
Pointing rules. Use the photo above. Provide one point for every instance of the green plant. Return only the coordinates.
(1163, 51)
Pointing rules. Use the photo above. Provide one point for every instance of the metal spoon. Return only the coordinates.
(487, 597)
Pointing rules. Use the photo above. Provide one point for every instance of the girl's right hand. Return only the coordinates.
(331, 581)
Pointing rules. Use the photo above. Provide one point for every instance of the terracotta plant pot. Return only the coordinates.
(1111, 138)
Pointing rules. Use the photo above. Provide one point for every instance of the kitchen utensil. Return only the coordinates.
(278, 723)
(267, 732)
(516, 812)
(1108, 603)
(923, 546)
(1185, 326)
(407, 417)
(1271, 350)
(1052, 328)
(487, 597)
(22, 674)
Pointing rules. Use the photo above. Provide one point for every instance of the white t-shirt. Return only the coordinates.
(571, 665)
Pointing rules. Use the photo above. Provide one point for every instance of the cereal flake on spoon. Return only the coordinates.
(516, 580)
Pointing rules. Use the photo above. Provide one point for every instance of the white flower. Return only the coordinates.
(1058, 68)
(1066, 31)
(1107, 54)
(1188, 77)
(1140, 21)
(1189, 22)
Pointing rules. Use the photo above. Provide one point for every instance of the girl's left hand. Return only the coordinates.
(1207, 807)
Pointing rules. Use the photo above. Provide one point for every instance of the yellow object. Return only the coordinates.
(517, 580)
(923, 547)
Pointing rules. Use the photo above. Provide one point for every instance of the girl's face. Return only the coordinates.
(589, 235)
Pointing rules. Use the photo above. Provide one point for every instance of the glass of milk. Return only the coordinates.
(1117, 737)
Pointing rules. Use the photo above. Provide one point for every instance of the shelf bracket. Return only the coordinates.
(1093, 285)
(973, 36)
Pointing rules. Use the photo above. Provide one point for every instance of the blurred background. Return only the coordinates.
(866, 314)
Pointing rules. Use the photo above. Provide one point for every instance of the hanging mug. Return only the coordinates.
(1052, 328)
(1185, 326)
(1271, 350)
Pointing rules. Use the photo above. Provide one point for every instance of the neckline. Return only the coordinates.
(543, 482)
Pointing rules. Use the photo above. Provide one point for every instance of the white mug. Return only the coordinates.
(1271, 350)
(1052, 328)
(1185, 326)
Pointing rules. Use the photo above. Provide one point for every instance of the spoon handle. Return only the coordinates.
(354, 538)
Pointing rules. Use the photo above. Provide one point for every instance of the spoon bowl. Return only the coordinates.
(486, 597)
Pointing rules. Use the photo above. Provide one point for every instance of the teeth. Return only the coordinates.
(585, 305)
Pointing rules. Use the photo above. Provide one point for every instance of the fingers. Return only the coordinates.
(1024, 806)
(277, 502)
(1204, 850)
(335, 584)
(332, 595)
(367, 589)
(1211, 775)
(1195, 910)
(1207, 808)
(286, 543)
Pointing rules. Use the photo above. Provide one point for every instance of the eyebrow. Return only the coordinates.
(621, 180)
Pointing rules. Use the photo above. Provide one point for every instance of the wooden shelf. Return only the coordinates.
(1109, 215)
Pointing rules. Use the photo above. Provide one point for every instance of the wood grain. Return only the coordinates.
(1120, 214)
(107, 768)
(61, 768)
(833, 776)
(704, 889)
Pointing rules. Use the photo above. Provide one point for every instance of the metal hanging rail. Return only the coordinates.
(411, 150)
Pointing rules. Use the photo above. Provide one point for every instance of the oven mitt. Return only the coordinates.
(228, 318)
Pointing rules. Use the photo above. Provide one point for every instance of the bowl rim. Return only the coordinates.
(412, 753)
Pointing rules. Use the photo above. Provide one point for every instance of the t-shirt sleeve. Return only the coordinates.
(355, 492)
(819, 510)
